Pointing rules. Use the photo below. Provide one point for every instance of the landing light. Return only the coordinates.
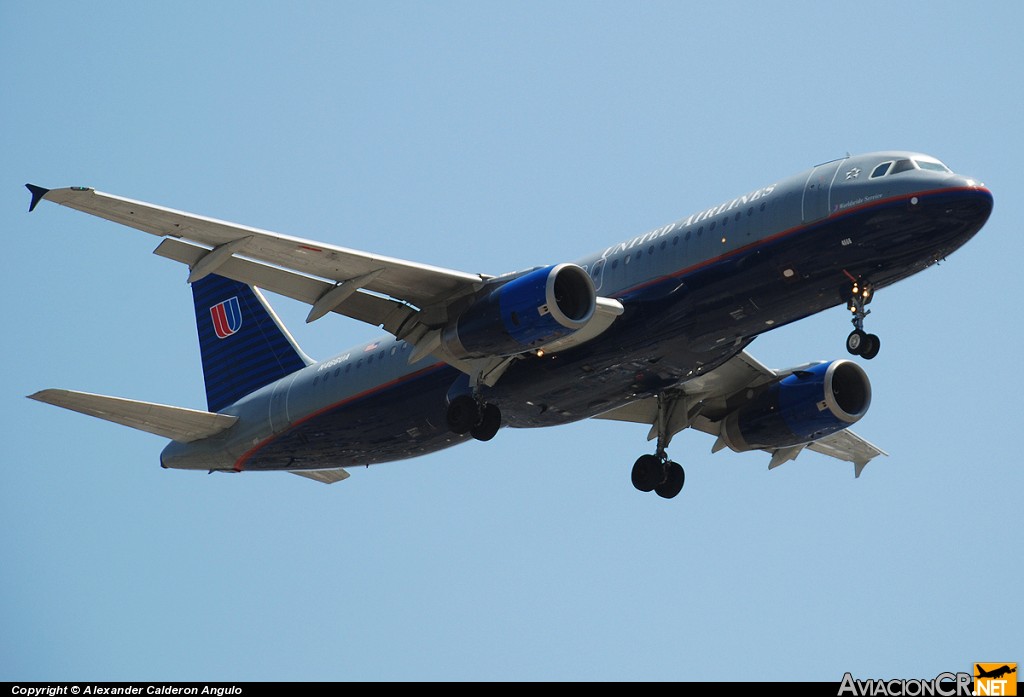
(540, 353)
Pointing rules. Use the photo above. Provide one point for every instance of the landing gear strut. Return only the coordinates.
(656, 472)
(859, 342)
(478, 419)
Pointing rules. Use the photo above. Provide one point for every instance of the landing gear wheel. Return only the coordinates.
(490, 422)
(857, 342)
(675, 477)
(463, 414)
(870, 348)
(648, 473)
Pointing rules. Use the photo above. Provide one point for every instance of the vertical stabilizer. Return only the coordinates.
(243, 344)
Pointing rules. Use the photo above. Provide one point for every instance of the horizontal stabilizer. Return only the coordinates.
(326, 476)
(176, 423)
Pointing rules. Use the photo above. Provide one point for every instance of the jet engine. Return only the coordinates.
(526, 313)
(806, 405)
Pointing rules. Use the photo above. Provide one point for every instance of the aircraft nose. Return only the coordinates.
(975, 198)
(966, 182)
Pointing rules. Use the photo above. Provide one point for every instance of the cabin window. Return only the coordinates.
(700, 231)
(762, 207)
(664, 243)
(687, 235)
(348, 367)
(337, 371)
(650, 250)
(615, 263)
(675, 240)
(750, 211)
(881, 170)
(738, 216)
(639, 253)
(712, 225)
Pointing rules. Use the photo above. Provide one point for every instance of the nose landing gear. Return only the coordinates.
(859, 342)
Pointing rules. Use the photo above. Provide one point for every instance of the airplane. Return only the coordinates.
(996, 673)
(650, 330)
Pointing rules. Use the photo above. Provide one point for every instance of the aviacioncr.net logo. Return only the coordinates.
(943, 685)
(995, 679)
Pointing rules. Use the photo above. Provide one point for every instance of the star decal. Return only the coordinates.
(852, 174)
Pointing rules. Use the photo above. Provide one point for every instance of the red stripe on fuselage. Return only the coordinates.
(240, 464)
(792, 231)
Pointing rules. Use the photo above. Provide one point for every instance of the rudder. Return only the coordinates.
(243, 344)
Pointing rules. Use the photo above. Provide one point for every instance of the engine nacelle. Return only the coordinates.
(801, 408)
(526, 313)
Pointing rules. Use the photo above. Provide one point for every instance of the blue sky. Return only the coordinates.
(489, 137)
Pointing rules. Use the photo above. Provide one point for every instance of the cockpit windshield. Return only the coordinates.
(897, 166)
(933, 165)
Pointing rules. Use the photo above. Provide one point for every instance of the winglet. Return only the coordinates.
(38, 193)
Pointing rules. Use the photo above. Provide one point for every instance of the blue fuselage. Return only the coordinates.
(695, 292)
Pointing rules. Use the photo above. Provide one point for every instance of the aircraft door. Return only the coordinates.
(597, 274)
(279, 417)
(816, 202)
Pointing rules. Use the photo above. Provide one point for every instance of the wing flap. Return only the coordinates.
(420, 284)
(327, 476)
(847, 445)
(176, 423)
(372, 309)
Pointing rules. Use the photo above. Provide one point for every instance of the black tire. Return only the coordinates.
(856, 342)
(675, 477)
(490, 422)
(463, 414)
(648, 472)
(871, 347)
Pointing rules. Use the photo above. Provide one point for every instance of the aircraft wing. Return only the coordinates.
(703, 402)
(418, 284)
(410, 300)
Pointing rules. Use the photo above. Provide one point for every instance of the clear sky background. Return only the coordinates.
(489, 137)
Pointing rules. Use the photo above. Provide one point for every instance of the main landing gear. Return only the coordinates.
(656, 472)
(478, 419)
(859, 342)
